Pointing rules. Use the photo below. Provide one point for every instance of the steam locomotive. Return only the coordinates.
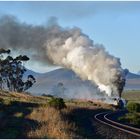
(119, 103)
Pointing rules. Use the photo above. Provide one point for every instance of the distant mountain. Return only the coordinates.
(59, 74)
(138, 73)
(47, 81)
(133, 81)
(68, 73)
(30, 72)
(132, 76)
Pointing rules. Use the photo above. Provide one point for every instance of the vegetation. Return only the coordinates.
(52, 124)
(133, 107)
(133, 115)
(12, 71)
(132, 95)
(27, 116)
(57, 103)
(131, 118)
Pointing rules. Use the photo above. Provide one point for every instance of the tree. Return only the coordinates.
(59, 90)
(12, 71)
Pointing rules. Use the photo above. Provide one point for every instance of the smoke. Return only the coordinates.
(66, 47)
(74, 50)
(24, 38)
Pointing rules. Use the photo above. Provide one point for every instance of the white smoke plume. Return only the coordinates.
(66, 47)
(74, 50)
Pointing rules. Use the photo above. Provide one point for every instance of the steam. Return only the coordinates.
(74, 50)
(66, 47)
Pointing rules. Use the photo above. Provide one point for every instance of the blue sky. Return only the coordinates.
(116, 25)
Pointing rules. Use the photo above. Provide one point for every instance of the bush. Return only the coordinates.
(133, 107)
(131, 118)
(57, 103)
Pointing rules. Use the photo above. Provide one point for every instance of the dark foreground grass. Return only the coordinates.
(13, 119)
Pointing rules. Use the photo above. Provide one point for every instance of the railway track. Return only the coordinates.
(104, 118)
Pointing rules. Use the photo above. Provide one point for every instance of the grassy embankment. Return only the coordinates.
(26, 116)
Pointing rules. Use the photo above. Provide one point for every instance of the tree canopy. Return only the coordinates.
(12, 72)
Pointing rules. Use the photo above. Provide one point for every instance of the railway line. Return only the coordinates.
(104, 118)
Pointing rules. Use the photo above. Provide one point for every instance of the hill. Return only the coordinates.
(30, 72)
(68, 73)
(46, 82)
(132, 76)
(132, 82)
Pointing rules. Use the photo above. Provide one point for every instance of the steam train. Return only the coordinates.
(119, 103)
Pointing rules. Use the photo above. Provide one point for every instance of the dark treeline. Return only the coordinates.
(12, 72)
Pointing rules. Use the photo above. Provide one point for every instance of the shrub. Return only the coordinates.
(131, 118)
(133, 107)
(57, 103)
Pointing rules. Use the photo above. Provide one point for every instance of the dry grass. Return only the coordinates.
(52, 124)
(71, 122)
(32, 118)
(90, 104)
(23, 97)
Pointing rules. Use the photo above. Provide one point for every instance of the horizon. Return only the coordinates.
(113, 24)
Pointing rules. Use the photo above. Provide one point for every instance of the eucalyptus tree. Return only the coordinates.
(12, 71)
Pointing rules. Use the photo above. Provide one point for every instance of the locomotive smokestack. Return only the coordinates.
(120, 82)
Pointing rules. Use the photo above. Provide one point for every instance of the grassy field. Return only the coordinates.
(26, 116)
(132, 95)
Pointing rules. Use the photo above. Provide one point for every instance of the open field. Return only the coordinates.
(132, 95)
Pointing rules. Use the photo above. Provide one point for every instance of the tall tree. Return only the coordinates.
(12, 71)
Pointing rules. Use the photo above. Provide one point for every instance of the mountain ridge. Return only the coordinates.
(130, 75)
(47, 81)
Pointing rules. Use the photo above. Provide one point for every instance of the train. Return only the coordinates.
(119, 103)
